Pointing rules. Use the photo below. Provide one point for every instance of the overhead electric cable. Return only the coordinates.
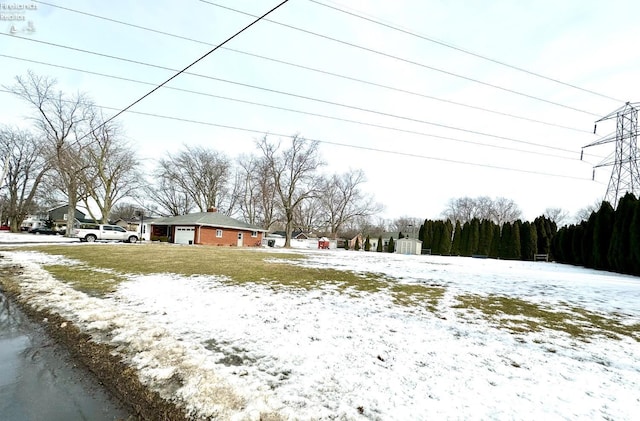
(312, 69)
(298, 95)
(462, 50)
(392, 152)
(259, 18)
(371, 50)
(397, 129)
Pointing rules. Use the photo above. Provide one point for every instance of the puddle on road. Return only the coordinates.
(39, 379)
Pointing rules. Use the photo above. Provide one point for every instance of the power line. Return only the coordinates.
(189, 66)
(397, 129)
(312, 69)
(326, 142)
(447, 45)
(371, 50)
(297, 95)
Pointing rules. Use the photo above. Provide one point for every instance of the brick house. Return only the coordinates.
(206, 228)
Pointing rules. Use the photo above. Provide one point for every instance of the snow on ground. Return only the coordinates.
(327, 354)
(24, 237)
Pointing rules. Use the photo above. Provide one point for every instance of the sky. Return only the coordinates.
(422, 139)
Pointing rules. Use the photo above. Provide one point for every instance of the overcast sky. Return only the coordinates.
(438, 140)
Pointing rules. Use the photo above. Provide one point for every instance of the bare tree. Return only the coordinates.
(464, 209)
(170, 198)
(557, 215)
(200, 173)
(408, 226)
(111, 168)
(26, 167)
(308, 217)
(123, 210)
(498, 210)
(5, 170)
(293, 171)
(505, 210)
(583, 214)
(256, 196)
(343, 200)
(58, 118)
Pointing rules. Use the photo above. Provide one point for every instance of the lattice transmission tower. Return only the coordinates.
(625, 176)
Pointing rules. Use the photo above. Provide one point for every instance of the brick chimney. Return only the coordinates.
(212, 209)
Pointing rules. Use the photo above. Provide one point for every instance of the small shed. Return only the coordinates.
(408, 246)
(323, 243)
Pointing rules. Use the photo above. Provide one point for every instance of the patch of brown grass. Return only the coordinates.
(520, 316)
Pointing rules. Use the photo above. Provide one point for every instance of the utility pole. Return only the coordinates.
(625, 176)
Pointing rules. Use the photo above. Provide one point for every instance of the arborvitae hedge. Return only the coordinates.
(608, 240)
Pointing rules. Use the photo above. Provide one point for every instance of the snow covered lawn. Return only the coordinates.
(25, 237)
(466, 339)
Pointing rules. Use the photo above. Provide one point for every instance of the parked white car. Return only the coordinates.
(104, 232)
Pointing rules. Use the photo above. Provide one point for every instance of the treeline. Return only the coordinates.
(608, 240)
(511, 240)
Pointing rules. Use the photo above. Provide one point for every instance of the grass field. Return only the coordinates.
(99, 268)
(319, 335)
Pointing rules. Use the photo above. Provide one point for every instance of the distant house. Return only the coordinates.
(296, 235)
(373, 240)
(207, 228)
(359, 239)
(59, 217)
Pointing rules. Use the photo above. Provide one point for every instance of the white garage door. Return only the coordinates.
(184, 235)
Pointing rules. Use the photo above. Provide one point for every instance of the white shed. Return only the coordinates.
(408, 246)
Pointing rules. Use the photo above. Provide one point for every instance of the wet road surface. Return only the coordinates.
(40, 381)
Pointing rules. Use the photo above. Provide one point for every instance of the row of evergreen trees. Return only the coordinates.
(608, 240)
(512, 240)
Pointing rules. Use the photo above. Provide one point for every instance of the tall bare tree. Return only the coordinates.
(26, 167)
(309, 216)
(111, 168)
(343, 200)
(293, 171)
(169, 197)
(256, 191)
(505, 210)
(203, 174)
(59, 118)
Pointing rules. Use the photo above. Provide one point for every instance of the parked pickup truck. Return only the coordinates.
(102, 232)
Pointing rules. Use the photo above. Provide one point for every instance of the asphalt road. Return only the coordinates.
(39, 380)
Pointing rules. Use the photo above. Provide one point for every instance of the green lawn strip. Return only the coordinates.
(238, 265)
(91, 281)
(418, 295)
(521, 316)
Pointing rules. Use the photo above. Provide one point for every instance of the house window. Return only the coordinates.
(254, 234)
(219, 233)
(64, 217)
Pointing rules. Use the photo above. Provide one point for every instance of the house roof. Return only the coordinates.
(297, 234)
(64, 207)
(209, 219)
